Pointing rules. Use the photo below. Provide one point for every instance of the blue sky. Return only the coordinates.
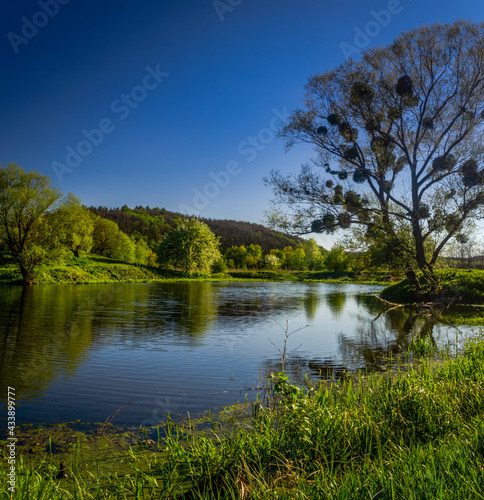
(145, 103)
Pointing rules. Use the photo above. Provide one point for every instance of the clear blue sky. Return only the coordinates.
(180, 90)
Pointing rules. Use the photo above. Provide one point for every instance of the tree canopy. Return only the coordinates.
(25, 200)
(399, 142)
(73, 225)
(191, 246)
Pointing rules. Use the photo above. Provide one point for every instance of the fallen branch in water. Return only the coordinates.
(426, 306)
(390, 303)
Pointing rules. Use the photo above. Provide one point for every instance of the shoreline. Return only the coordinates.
(106, 271)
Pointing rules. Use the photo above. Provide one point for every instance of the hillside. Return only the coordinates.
(153, 223)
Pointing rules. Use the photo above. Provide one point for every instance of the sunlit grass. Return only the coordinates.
(466, 285)
(97, 269)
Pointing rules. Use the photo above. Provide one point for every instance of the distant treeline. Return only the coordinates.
(151, 224)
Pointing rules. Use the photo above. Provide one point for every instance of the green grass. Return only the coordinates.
(87, 269)
(96, 269)
(466, 284)
(413, 433)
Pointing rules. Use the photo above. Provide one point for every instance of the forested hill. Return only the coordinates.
(245, 233)
(152, 223)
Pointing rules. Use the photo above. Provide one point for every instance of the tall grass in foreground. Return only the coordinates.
(417, 434)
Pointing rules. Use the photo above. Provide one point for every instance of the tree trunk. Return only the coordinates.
(27, 275)
(431, 288)
(413, 280)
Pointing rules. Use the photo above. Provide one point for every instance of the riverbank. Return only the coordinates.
(96, 269)
(412, 433)
(464, 285)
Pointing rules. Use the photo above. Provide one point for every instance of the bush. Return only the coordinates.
(219, 266)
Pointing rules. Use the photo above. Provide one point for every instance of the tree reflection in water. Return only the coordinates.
(379, 336)
(187, 338)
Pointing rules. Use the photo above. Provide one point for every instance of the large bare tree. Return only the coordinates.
(399, 142)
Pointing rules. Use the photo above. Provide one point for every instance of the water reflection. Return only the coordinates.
(311, 301)
(377, 336)
(200, 344)
(336, 303)
(37, 331)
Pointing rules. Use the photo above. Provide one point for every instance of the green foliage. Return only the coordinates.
(392, 249)
(5, 256)
(272, 261)
(294, 259)
(306, 256)
(25, 200)
(219, 266)
(253, 258)
(336, 259)
(151, 224)
(236, 255)
(73, 225)
(361, 93)
(192, 247)
(313, 254)
(109, 240)
(125, 249)
(467, 285)
(142, 253)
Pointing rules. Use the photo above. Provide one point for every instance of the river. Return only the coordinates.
(80, 352)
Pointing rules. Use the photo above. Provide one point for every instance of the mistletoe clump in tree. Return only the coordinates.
(400, 150)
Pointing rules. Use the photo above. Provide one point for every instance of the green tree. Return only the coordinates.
(141, 252)
(271, 261)
(399, 136)
(254, 256)
(105, 237)
(294, 259)
(73, 225)
(299, 259)
(236, 255)
(25, 199)
(286, 259)
(125, 250)
(219, 266)
(336, 260)
(314, 258)
(110, 241)
(191, 246)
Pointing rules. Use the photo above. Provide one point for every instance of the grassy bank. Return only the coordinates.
(465, 284)
(96, 269)
(414, 434)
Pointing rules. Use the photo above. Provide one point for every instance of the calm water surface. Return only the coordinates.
(82, 351)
